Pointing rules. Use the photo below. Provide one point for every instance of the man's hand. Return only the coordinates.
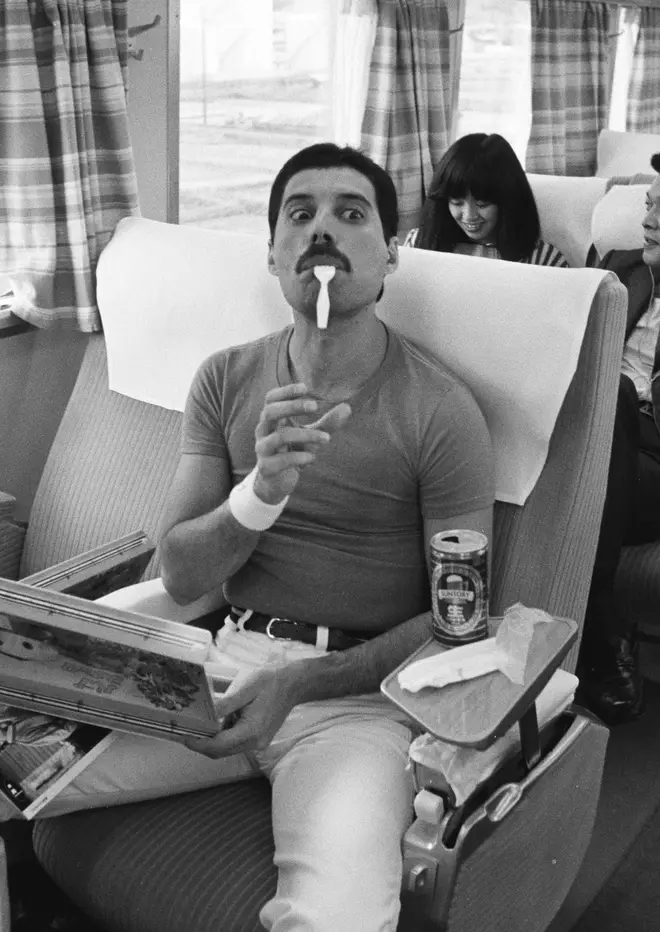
(283, 448)
(258, 708)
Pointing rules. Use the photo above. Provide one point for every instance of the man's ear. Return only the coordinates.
(271, 260)
(392, 255)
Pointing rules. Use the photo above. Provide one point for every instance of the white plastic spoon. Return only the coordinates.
(324, 273)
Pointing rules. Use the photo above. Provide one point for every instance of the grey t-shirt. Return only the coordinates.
(348, 549)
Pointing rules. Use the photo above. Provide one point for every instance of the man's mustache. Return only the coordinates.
(323, 250)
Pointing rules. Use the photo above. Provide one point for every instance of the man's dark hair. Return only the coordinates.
(329, 155)
(486, 167)
(655, 162)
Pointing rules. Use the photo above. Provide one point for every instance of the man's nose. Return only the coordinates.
(322, 228)
(651, 218)
(322, 236)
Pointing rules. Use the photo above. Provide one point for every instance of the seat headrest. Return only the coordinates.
(565, 206)
(170, 295)
(617, 219)
(625, 153)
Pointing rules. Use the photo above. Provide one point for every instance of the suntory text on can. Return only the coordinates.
(459, 586)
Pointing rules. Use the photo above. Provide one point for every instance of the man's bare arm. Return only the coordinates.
(358, 670)
(202, 542)
(265, 697)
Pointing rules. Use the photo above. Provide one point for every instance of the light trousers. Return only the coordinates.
(341, 789)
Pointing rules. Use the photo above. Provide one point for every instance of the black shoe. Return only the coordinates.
(610, 682)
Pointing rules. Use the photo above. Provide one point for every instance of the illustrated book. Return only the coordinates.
(75, 663)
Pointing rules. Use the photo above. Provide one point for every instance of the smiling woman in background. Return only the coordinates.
(480, 203)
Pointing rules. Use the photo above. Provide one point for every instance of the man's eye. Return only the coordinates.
(299, 214)
(352, 213)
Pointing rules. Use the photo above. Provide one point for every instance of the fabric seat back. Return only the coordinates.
(108, 471)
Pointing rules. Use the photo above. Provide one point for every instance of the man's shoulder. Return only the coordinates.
(427, 370)
(242, 355)
(420, 358)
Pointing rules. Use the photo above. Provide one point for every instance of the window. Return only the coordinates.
(625, 44)
(254, 88)
(495, 83)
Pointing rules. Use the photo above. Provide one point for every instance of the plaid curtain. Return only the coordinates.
(66, 168)
(407, 115)
(644, 92)
(570, 84)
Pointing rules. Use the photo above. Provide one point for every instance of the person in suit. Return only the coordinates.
(480, 203)
(611, 684)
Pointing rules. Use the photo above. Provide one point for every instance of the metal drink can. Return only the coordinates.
(459, 587)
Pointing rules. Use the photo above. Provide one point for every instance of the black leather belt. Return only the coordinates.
(287, 630)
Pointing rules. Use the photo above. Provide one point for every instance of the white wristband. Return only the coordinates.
(249, 510)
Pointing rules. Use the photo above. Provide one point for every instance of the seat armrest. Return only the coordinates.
(12, 538)
(474, 713)
(151, 598)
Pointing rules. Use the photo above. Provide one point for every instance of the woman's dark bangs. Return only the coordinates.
(474, 179)
(453, 183)
(483, 176)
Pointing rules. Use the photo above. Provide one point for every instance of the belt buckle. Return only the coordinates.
(272, 636)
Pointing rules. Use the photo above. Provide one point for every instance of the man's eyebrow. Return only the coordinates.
(343, 195)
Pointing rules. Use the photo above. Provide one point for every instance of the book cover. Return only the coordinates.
(98, 571)
(63, 656)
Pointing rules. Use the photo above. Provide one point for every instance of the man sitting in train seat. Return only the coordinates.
(316, 464)
(611, 684)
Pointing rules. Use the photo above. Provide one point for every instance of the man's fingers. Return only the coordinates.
(282, 392)
(333, 419)
(283, 410)
(286, 459)
(235, 739)
(297, 437)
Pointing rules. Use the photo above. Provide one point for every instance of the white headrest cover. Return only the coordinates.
(617, 219)
(171, 295)
(565, 205)
(625, 153)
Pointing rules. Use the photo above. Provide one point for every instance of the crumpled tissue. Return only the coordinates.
(507, 651)
(465, 769)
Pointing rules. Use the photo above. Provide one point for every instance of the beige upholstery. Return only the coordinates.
(108, 473)
(625, 153)
(565, 206)
(616, 222)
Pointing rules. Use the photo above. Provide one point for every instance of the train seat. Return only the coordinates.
(565, 206)
(203, 860)
(620, 153)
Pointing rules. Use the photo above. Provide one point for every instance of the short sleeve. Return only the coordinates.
(547, 254)
(456, 474)
(202, 428)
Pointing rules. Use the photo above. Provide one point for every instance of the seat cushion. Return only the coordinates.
(126, 866)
